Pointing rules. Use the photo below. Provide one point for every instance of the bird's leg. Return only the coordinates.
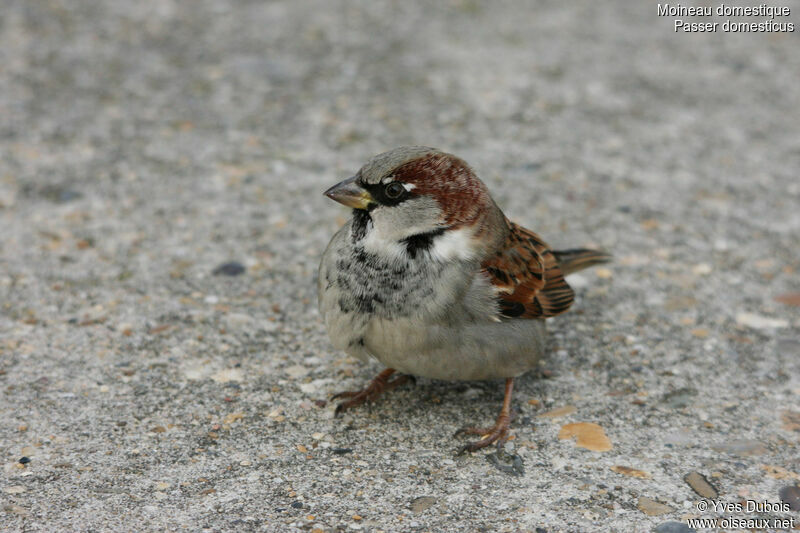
(376, 387)
(498, 433)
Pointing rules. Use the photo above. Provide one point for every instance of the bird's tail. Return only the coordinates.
(579, 258)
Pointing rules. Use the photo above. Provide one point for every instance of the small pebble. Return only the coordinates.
(59, 194)
(308, 388)
(701, 486)
(673, 527)
(743, 448)
(422, 503)
(342, 451)
(791, 495)
(507, 463)
(752, 320)
(24, 460)
(680, 398)
(651, 507)
(15, 509)
(231, 268)
(297, 371)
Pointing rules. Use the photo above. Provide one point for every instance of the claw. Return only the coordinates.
(375, 388)
(344, 394)
(467, 430)
(498, 434)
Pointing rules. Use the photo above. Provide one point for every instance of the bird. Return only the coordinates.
(431, 279)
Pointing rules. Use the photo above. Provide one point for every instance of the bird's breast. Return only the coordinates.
(400, 287)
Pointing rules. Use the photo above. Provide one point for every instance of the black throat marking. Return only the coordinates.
(361, 223)
(421, 242)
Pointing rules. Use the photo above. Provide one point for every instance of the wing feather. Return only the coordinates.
(527, 276)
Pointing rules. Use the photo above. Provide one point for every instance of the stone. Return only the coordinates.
(630, 472)
(701, 485)
(297, 371)
(652, 507)
(752, 320)
(790, 494)
(744, 448)
(232, 268)
(680, 398)
(673, 527)
(227, 375)
(422, 503)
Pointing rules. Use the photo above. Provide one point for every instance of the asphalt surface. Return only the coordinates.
(162, 362)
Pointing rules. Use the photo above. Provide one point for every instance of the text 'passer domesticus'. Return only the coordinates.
(431, 279)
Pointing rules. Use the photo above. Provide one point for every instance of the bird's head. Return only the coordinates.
(415, 190)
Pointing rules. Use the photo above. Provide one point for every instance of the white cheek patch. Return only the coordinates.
(387, 248)
(409, 186)
(453, 244)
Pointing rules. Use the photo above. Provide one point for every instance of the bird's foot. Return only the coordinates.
(376, 387)
(498, 434)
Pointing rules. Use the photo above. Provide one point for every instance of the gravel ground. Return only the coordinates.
(162, 361)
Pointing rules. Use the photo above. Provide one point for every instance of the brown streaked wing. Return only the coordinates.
(530, 282)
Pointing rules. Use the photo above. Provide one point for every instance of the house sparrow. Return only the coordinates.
(431, 279)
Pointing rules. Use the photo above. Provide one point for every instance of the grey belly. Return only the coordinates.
(485, 350)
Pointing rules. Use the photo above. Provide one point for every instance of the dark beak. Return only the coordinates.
(350, 193)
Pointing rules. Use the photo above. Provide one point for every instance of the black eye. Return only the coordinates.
(394, 190)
